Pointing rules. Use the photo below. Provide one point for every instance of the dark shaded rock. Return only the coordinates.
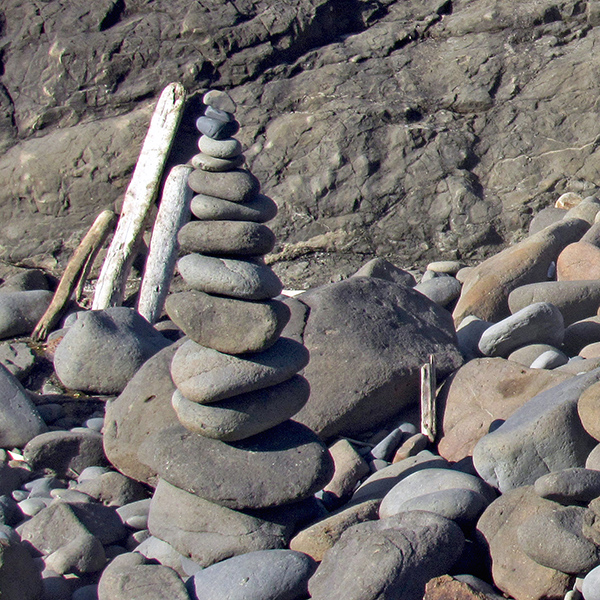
(21, 311)
(20, 577)
(102, 350)
(128, 577)
(288, 464)
(262, 575)
(226, 324)
(542, 436)
(411, 549)
(368, 339)
(29, 279)
(66, 453)
(17, 358)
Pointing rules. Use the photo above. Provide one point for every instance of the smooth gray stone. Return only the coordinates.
(143, 408)
(285, 464)
(32, 506)
(66, 453)
(216, 128)
(551, 359)
(377, 485)
(226, 238)
(591, 585)
(542, 436)
(228, 148)
(262, 575)
(134, 512)
(576, 300)
(538, 323)
(219, 100)
(528, 354)
(21, 311)
(127, 577)
(385, 449)
(235, 186)
(209, 533)
(259, 209)
(545, 217)
(18, 358)
(429, 481)
(228, 325)
(216, 165)
(448, 267)
(457, 504)
(19, 420)
(243, 416)
(113, 489)
(103, 349)
(441, 290)
(383, 269)
(411, 548)
(205, 375)
(29, 279)
(468, 335)
(155, 549)
(556, 540)
(569, 486)
(246, 279)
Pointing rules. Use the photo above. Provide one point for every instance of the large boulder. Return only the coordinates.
(368, 339)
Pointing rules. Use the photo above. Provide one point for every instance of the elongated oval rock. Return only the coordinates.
(235, 186)
(578, 335)
(576, 300)
(569, 486)
(485, 292)
(285, 464)
(205, 375)
(21, 311)
(539, 323)
(226, 238)
(542, 436)
(227, 148)
(259, 209)
(227, 324)
(216, 165)
(245, 279)
(245, 415)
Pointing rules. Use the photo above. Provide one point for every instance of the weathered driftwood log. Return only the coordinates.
(428, 407)
(76, 271)
(139, 196)
(173, 213)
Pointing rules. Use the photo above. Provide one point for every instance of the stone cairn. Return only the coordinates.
(236, 449)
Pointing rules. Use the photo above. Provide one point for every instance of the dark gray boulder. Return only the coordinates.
(368, 339)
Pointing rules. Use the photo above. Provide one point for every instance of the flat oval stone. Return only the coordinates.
(259, 209)
(228, 148)
(235, 186)
(219, 100)
(580, 334)
(550, 360)
(216, 128)
(226, 324)
(226, 238)
(569, 486)
(216, 165)
(205, 375)
(285, 464)
(245, 415)
(245, 279)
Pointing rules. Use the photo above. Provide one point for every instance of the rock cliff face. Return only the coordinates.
(411, 129)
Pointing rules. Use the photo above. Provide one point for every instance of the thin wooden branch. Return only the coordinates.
(139, 196)
(76, 271)
(428, 407)
(173, 213)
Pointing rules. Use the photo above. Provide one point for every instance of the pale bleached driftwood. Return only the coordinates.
(173, 213)
(428, 408)
(139, 196)
(76, 271)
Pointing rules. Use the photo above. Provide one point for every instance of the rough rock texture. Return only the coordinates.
(362, 117)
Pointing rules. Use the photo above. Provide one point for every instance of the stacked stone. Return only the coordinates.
(237, 379)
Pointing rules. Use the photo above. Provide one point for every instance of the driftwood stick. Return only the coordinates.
(139, 196)
(173, 213)
(428, 408)
(75, 271)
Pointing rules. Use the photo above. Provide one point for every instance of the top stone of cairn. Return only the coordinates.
(219, 100)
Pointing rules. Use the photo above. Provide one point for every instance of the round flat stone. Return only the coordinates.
(219, 100)
(216, 128)
(217, 165)
(232, 238)
(226, 324)
(246, 279)
(235, 186)
(282, 465)
(229, 148)
(259, 209)
(245, 415)
(205, 375)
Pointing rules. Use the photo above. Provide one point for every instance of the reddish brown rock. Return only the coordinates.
(448, 588)
(590, 351)
(580, 260)
(588, 408)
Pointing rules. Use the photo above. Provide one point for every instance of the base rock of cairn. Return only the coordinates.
(237, 385)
